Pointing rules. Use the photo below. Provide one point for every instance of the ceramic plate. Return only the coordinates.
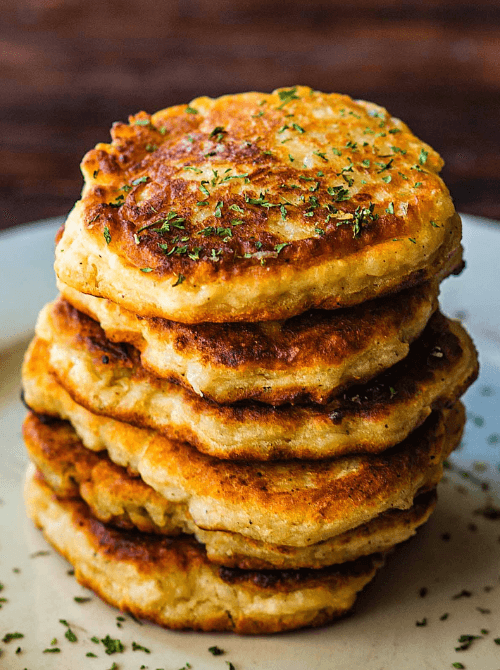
(439, 586)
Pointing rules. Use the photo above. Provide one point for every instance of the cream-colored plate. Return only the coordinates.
(382, 633)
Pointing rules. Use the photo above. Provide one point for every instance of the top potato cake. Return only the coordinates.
(254, 207)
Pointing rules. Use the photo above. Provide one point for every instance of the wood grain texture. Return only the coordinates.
(69, 68)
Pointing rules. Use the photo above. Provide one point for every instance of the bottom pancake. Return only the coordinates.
(171, 581)
(115, 496)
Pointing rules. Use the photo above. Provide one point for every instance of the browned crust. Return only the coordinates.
(184, 558)
(314, 339)
(433, 356)
(168, 187)
(73, 472)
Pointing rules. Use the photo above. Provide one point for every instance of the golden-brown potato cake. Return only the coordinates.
(296, 502)
(115, 496)
(256, 207)
(307, 358)
(171, 581)
(108, 379)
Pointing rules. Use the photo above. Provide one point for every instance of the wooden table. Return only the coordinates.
(70, 68)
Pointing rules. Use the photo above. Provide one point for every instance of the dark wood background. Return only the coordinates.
(69, 68)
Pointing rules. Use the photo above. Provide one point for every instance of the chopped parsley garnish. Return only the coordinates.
(193, 169)
(140, 180)
(390, 208)
(413, 241)
(387, 178)
(338, 193)
(216, 651)
(287, 95)
(95, 173)
(393, 131)
(139, 647)
(421, 623)
(279, 247)
(80, 600)
(191, 110)
(151, 147)
(107, 234)
(11, 636)
(91, 655)
(422, 159)
(52, 650)
(457, 665)
(322, 155)
(337, 152)
(203, 188)
(146, 269)
(298, 128)
(180, 279)
(69, 635)
(231, 666)
(112, 646)
(385, 166)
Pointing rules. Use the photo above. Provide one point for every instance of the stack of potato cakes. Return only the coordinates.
(244, 395)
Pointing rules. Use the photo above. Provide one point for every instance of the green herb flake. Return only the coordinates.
(125, 188)
(69, 635)
(417, 184)
(298, 128)
(107, 234)
(434, 224)
(422, 159)
(390, 208)
(80, 600)
(18, 650)
(279, 247)
(95, 639)
(191, 110)
(321, 155)
(287, 95)
(192, 168)
(393, 131)
(366, 163)
(180, 279)
(387, 179)
(457, 665)
(216, 651)
(142, 122)
(112, 646)
(151, 147)
(11, 636)
(231, 666)
(497, 640)
(337, 152)
(95, 173)
(146, 269)
(139, 647)
(52, 650)
(444, 616)
(421, 623)
(398, 150)
(140, 180)
(413, 241)
(89, 654)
